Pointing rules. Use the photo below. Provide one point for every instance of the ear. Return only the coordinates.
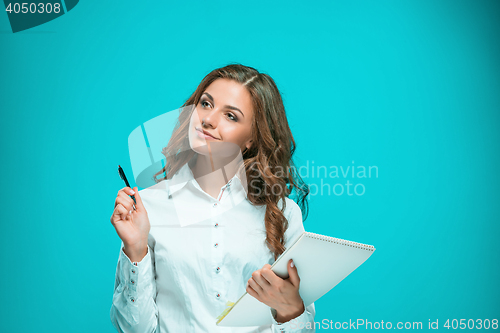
(248, 144)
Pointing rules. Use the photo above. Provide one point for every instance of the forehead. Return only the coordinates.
(232, 93)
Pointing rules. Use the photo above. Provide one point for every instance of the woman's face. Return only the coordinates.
(225, 114)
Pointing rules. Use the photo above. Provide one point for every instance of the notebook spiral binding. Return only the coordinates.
(341, 241)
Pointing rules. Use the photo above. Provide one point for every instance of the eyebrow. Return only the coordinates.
(226, 106)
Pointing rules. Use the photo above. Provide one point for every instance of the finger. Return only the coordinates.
(125, 197)
(255, 286)
(120, 212)
(252, 292)
(293, 274)
(138, 198)
(269, 275)
(127, 190)
(127, 215)
(263, 283)
(125, 201)
(122, 194)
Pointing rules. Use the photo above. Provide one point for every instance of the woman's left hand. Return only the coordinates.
(277, 293)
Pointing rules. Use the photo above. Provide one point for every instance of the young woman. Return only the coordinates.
(210, 228)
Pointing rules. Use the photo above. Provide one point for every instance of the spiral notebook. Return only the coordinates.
(322, 262)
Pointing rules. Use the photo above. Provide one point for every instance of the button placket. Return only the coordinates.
(217, 254)
(131, 283)
(132, 296)
(217, 240)
(223, 189)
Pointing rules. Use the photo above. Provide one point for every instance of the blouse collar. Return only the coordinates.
(185, 175)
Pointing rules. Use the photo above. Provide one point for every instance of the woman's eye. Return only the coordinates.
(203, 103)
(232, 117)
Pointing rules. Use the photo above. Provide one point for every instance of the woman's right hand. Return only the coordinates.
(132, 226)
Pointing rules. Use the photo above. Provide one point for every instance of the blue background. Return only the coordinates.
(412, 87)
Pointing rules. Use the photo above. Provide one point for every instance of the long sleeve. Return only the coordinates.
(134, 300)
(301, 324)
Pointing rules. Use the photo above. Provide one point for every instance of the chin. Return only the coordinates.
(197, 144)
(214, 148)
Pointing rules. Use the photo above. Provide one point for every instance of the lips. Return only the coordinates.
(206, 133)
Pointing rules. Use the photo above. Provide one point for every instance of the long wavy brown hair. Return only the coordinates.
(268, 162)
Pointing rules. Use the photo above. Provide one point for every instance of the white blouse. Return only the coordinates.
(201, 253)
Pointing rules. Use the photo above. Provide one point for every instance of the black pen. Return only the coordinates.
(122, 176)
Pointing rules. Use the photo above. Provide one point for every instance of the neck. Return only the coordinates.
(206, 164)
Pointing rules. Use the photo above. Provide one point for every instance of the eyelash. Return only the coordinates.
(235, 119)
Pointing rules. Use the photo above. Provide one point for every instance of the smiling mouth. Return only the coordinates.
(204, 134)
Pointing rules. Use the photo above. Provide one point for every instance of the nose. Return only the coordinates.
(209, 118)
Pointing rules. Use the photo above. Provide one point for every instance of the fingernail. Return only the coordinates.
(291, 264)
(132, 192)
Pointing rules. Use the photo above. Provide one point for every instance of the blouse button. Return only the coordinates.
(217, 296)
(133, 271)
(214, 205)
(217, 270)
(216, 244)
(132, 299)
(132, 281)
(216, 225)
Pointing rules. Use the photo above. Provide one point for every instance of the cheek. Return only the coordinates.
(195, 117)
(194, 141)
(233, 135)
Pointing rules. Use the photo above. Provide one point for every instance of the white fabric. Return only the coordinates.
(193, 268)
